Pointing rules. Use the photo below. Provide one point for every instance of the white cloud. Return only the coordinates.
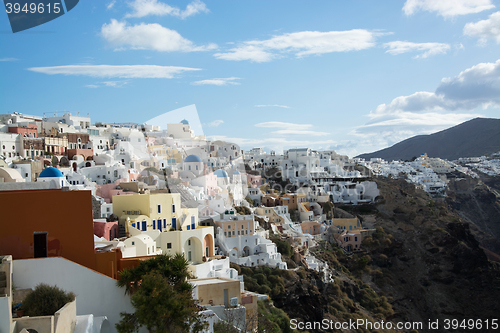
(272, 105)
(485, 29)
(111, 4)
(474, 87)
(291, 128)
(114, 84)
(154, 7)
(427, 49)
(193, 8)
(93, 86)
(298, 132)
(302, 43)
(218, 81)
(215, 123)
(148, 37)
(247, 52)
(110, 71)
(447, 8)
(8, 59)
(280, 124)
(428, 112)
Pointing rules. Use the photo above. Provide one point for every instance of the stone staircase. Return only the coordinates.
(121, 231)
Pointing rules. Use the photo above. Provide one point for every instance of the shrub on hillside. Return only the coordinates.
(45, 300)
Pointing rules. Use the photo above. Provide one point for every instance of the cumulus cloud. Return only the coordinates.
(272, 105)
(447, 8)
(148, 37)
(474, 87)
(218, 81)
(291, 128)
(485, 29)
(426, 49)
(301, 44)
(428, 112)
(142, 8)
(110, 71)
(215, 123)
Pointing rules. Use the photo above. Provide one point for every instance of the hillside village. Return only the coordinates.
(95, 199)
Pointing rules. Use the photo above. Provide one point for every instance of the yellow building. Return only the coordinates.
(273, 216)
(159, 211)
(239, 226)
(219, 291)
(347, 224)
(196, 244)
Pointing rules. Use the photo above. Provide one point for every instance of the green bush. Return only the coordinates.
(283, 247)
(264, 290)
(45, 300)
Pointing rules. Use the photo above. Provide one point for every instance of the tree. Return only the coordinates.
(162, 297)
(45, 300)
(327, 209)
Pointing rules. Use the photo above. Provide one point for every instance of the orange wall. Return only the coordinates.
(65, 215)
(108, 263)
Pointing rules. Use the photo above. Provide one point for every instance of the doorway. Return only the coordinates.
(40, 244)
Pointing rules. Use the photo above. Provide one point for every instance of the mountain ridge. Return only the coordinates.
(476, 137)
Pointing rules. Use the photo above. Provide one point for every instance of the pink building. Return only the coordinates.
(254, 180)
(108, 190)
(350, 240)
(108, 230)
(25, 130)
(133, 175)
(208, 182)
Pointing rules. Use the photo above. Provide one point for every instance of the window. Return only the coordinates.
(133, 225)
(189, 242)
(159, 209)
(238, 232)
(133, 243)
(154, 224)
(225, 233)
(356, 239)
(193, 226)
(229, 227)
(246, 232)
(144, 226)
(233, 232)
(173, 208)
(169, 245)
(164, 223)
(188, 227)
(241, 227)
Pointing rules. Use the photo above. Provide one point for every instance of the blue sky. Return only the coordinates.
(353, 76)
